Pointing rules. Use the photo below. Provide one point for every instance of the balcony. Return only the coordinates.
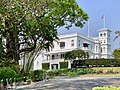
(52, 60)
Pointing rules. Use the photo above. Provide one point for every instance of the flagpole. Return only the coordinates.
(104, 21)
(88, 28)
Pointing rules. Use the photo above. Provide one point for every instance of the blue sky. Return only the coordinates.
(95, 10)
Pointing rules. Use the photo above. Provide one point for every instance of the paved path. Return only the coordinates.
(74, 83)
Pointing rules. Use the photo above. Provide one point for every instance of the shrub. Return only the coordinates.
(58, 72)
(45, 66)
(6, 73)
(36, 75)
(106, 88)
(73, 74)
(63, 65)
(85, 71)
(19, 78)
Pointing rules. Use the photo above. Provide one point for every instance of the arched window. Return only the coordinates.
(101, 35)
(104, 34)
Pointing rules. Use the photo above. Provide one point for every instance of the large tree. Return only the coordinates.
(24, 24)
(116, 54)
(117, 36)
(76, 54)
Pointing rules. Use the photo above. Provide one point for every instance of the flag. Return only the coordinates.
(102, 16)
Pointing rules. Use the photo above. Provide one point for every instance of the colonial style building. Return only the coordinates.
(97, 47)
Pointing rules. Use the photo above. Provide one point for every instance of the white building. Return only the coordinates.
(97, 47)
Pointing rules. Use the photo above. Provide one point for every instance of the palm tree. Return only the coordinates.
(117, 35)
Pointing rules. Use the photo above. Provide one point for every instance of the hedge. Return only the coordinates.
(96, 62)
(102, 62)
(63, 65)
(45, 66)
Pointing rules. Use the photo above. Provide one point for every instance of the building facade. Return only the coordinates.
(97, 47)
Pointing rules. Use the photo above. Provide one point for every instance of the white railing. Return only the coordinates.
(52, 60)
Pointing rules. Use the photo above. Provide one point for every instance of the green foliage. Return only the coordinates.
(85, 71)
(116, 54)
(102, 62)
(107, 88)
(33, 24)
(72, 74)
(63, 65)
(58, 72)
(36, 75)
(6, 73)
(45, 66)
(72, 55)
(19, 78)
(7, 62)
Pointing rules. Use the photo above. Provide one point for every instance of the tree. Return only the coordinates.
(24, 24)
(117, 33)
(116, 54)
(75, 54)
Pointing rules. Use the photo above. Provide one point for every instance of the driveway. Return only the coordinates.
(74, 83)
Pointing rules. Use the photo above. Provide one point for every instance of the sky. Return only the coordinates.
(95, 10)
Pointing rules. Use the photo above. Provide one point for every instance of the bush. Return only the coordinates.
(107, 88)
(45, 66)
(36, 75)
(63, 65)
(73, 74)
(85, 71)
(6, 73)
(19, 78)
(58, 72)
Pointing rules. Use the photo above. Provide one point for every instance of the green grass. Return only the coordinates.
(107, 88)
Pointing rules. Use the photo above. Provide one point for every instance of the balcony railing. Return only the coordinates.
(52, 60)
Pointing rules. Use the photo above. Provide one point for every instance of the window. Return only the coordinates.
(96, 48)
(37, 63)
(104, 34)
(79, 43)
(104, 41)
(101, 35)
(72, 43)
(104, 49)
(101, 50)
(62, 56)
(91, 47)
(53, 56)
(85, 44)
(62, 45)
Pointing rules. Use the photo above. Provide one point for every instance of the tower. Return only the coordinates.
(104, 38)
